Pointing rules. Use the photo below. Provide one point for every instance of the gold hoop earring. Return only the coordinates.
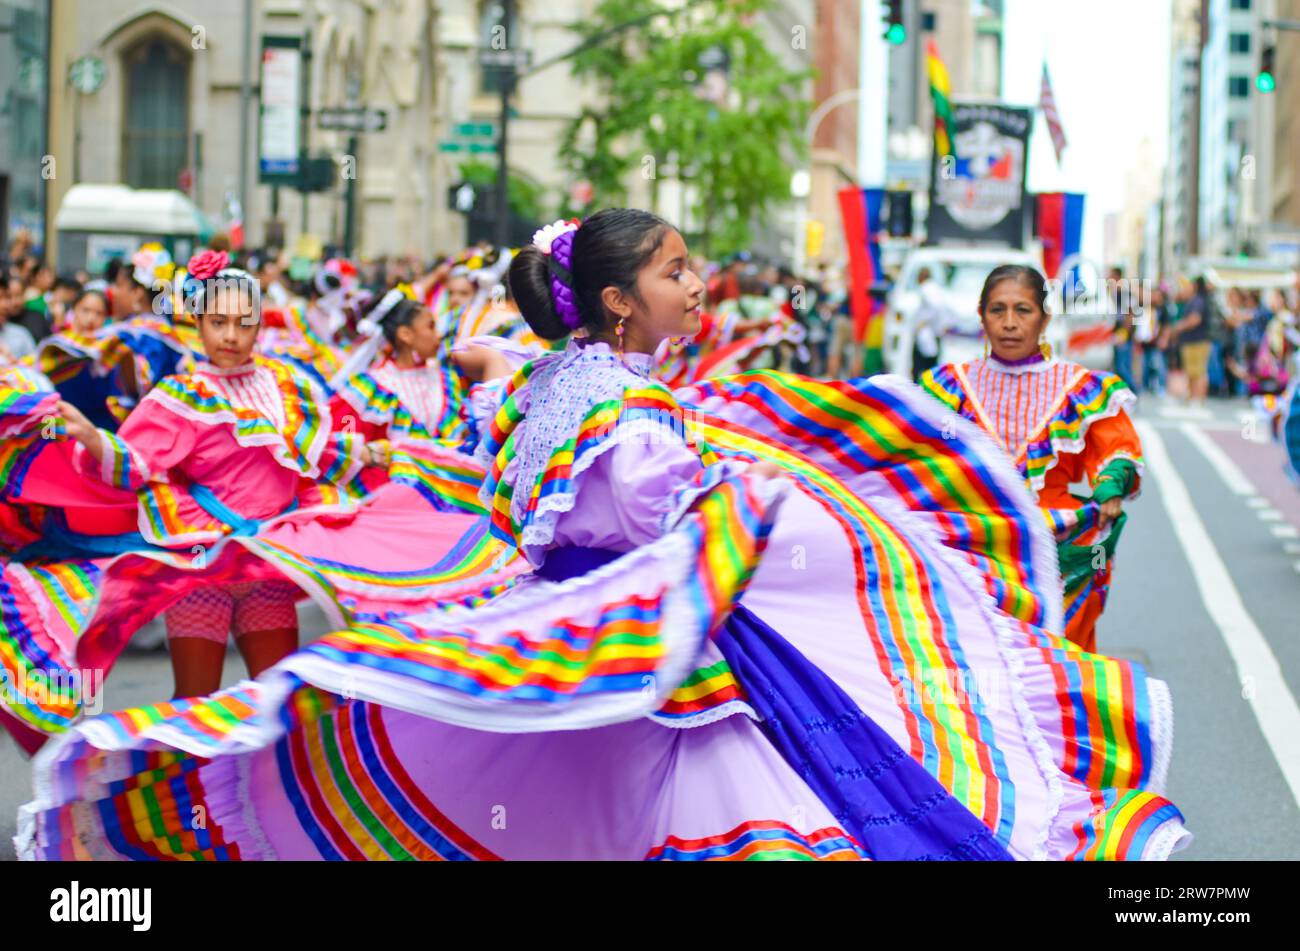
(620, 330)
(1044, 347)
(986, 348)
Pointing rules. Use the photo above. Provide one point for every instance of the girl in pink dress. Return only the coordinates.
(767, 617)
(225, 495)
(231, 485)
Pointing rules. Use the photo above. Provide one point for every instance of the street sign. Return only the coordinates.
(87, 74)
(355, 119)
(455, 145)
(281, 97)
(505, 59)
(471, 130)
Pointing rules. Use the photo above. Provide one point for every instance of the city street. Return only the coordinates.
(1169, 610)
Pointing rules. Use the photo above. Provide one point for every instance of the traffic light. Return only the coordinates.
(814, 238)
(898, 213)
(1265, 81)
(895, 28)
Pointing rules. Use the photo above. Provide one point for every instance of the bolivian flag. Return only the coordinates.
(941, 93)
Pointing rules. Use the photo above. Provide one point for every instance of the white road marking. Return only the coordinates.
(1269, 515)
(1258, 502)
(1258, 670)
(1228, 470)
(1186, 412)
(1285, 531)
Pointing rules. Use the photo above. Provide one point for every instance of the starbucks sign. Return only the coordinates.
(87, 74)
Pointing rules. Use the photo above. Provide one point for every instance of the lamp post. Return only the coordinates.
(506, 77)
(802, 179)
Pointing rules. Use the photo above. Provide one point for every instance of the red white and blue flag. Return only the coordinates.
(1047, 103)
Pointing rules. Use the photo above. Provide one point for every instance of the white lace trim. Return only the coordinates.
(1169, 837)
(360, 406)
(1117, 404)
(244, 369)
(1162, 733)
(706, 717)
(274, 441)
(1041, 366)
(555, 401)
(687, 497)
(247, 816)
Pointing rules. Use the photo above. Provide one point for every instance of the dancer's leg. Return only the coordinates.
(197, 629)
(266, 623)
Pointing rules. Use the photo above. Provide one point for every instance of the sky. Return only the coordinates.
(1109, 63)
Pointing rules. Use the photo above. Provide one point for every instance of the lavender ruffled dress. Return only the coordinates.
(861, 660)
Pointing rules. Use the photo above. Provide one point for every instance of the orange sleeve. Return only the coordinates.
(1109, 439)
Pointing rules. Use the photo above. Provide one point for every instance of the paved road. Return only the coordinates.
(1174, 607)
(1234, 671)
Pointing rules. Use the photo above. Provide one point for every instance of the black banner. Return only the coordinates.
(977, 194)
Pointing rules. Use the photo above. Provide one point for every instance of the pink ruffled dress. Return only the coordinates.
(218, 478)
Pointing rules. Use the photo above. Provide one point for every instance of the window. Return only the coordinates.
(1241, 4)
(1239, 42)
(157, 115)
(1238, 87)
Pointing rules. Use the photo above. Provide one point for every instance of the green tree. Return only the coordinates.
(735, 153)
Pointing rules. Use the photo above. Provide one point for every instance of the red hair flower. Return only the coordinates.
(206, 264)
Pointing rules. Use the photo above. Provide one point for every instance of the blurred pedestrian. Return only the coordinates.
(932, 319)
(14, 337)
(35, 315)
(726, 283)
(89, 313)
(62, 297)
(1150, 335)
(1120, 303)
(1194, 344)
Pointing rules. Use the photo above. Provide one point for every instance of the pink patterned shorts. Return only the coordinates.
(245, 608)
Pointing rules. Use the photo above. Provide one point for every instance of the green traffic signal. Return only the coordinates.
(1264, 79)
(897, 34)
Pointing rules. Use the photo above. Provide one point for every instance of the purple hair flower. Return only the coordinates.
(556, 242)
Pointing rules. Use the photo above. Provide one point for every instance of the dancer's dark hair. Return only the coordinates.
(609, 250)
(1030, 277)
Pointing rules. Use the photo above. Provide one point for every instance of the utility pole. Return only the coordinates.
(304, 127)
(245, 101)
(350, 202)
(506, 77)
(1194, 172)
